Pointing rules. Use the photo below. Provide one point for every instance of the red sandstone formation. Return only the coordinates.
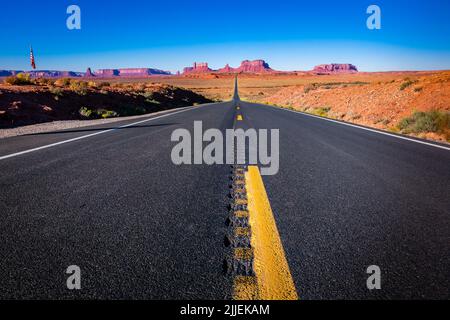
(198, 67)
(89, 73)
(255, 66)
(226, 69)
(335, 68)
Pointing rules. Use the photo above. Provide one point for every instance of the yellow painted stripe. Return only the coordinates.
(245, 288)
(273, 277)
(239, 117)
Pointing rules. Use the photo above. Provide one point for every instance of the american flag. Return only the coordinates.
(33, 63)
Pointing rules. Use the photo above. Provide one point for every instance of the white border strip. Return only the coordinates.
(97, 133)
(363, 128)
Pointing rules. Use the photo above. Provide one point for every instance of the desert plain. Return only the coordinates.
(412, 103)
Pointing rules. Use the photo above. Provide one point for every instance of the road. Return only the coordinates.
(140, 227)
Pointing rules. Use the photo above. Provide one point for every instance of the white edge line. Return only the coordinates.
(363, 128)
(100, 132)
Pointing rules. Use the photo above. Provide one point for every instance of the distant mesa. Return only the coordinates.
(130, 72)
(198, 67)
(8, 73)
(42, 73)
(54, 74)
(127, 72)
(335, 68)
(255, 66)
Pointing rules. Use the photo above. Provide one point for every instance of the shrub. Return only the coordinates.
(418, 89)
(86, 112)
(19, 80)
(79, 87)
(45, 81)
(103, 84)
(63, 82)
(407, 83)
(107, 113)
(323, 112)
(148, 94)
(57, 91)
(431, 121)
(152, 101)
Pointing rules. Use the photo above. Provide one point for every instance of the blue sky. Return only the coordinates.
(289, 35)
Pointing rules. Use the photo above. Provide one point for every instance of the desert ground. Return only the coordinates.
(413, 103)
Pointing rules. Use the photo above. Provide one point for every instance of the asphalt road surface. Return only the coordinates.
(141, 227)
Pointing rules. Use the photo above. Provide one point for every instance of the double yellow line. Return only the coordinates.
(273, 279)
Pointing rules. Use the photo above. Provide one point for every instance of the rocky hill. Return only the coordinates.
(71, 99)
(247, 66)
(335, 68)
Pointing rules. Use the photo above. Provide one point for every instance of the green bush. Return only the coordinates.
(103, 84)
(19, 80)
(63, 82)
(86, 112)
(45, 82)
(79, 87)
(322, 112)
(431, 121)
(407, 83)
(107, 113)
(98, 113)
(56, 91)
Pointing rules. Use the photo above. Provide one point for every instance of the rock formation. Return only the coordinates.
(7, 73)
(89, 73)
(255, 66)
(130, 72)
(335, 68)
(42, 73)
(198, 67)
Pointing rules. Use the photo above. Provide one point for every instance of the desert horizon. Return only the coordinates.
(322, 91)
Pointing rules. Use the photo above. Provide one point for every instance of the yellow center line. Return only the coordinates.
(273, 279)
(239, 117)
